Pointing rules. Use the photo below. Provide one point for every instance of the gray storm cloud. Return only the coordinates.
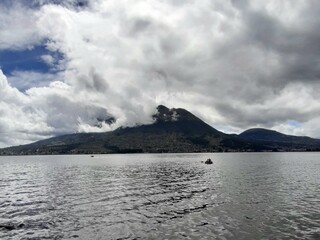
(236, 64)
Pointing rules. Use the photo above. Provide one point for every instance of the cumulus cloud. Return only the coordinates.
(236, 64)
(24, 80)
(17, 27)
(42, 112)
(15, 108)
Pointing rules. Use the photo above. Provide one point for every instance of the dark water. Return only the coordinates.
(171, 196)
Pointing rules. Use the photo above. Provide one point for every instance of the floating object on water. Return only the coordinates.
(92, 156)
(11, 226)
(208, 161)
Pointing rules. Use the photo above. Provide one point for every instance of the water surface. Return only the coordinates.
(161, 196)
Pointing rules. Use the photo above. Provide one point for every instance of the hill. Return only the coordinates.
(278, 141)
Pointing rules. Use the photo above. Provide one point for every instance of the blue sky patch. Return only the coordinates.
(28, 60)
(23, 60)
(294, 123)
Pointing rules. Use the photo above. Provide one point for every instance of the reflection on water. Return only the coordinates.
(169, 196)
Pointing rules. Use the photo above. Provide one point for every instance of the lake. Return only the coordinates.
(161, 196)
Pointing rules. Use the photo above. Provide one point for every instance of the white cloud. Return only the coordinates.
(23, 80)
(42, 112)
(236, 64)
(17, 27)
(48, 59)
(20, 122)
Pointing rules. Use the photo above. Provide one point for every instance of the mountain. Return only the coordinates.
(173, 130)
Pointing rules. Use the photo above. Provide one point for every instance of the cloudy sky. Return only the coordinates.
(236, 64)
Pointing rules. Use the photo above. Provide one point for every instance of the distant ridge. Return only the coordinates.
(173, 130)
(271, 135)
(277, 140)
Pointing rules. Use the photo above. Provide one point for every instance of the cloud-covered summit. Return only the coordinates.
(236, 64)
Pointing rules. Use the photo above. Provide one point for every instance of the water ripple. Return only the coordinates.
(240, 196)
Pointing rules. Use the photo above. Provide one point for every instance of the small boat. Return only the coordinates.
(208, 161)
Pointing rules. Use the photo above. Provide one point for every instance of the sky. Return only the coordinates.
(65, 65)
